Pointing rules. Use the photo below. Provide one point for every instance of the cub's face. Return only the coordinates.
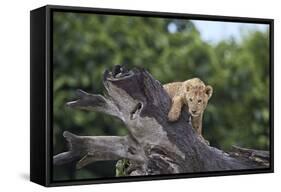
(196, 98)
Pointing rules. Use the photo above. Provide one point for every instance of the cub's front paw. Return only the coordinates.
(173, 117)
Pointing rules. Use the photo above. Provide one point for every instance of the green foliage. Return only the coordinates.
(86, 44)
(121, 167)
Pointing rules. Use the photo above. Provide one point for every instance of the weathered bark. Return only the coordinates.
(153, 145)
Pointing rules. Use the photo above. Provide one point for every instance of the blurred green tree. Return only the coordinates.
(84, 45)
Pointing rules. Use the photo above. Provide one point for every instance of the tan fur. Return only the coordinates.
(192, 93)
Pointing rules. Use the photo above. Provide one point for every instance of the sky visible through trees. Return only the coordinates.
(216, 31)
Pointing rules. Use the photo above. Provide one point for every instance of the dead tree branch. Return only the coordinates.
(153, 145)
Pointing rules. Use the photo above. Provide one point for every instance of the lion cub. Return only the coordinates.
(192, 93)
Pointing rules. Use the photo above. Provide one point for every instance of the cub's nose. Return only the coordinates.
(193, 111)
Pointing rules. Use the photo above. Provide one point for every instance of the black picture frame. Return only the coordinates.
(41, 97)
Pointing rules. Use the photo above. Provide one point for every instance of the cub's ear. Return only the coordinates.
(209, 91)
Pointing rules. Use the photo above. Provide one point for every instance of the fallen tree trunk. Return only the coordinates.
(153, 145)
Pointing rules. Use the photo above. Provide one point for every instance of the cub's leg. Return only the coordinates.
(175, 110)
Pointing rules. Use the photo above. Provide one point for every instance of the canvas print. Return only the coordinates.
(150, 96)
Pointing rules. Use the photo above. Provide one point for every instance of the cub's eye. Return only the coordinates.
(190, 99)
(199, 101)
